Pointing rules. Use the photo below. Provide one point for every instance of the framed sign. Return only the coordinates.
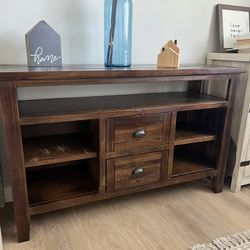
(233, 21)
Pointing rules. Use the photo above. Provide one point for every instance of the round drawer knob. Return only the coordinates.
(138, 171)
(139, 133)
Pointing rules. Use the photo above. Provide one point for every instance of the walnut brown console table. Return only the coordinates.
(66, 152)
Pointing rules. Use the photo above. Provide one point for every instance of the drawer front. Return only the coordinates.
(139, 132)
(137, 170)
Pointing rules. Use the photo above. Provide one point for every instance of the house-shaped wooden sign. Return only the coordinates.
(169, 56)
(43, 46)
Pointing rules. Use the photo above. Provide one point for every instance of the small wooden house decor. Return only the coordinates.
(169, 56)
(43, 46)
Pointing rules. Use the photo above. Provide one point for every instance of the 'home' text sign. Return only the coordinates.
(43, 46)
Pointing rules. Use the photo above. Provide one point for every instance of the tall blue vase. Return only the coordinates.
(117, 33)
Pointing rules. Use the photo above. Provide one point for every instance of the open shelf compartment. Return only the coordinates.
(57, 183)
(47, 144)
(40, 111)
(194, 158)
(198, 126)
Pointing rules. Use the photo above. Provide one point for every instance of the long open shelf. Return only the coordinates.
(59, 183)
(185, 163)
(184, 136)
(41, 111)
(47, 150)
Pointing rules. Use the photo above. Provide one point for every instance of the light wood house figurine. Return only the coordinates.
(169, 56)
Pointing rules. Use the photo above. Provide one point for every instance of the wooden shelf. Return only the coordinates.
(185, 163)
(188, 136)
(69, 109)
(48, 150)
(55, 184)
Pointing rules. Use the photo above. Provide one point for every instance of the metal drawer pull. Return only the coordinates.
(139, 133)
(138, 171)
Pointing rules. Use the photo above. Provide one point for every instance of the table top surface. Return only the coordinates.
(133, 68)
(73, 72)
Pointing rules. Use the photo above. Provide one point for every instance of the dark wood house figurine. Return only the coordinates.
(43, 46)
(169, 56)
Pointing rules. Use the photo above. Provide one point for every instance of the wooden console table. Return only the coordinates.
(66, 152)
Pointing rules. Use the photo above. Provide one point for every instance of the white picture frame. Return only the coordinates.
(233, 22)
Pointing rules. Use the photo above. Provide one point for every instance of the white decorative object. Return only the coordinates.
(234, 24)
(233, 21)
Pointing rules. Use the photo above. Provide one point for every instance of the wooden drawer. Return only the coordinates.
(126, 133)
(134, 171)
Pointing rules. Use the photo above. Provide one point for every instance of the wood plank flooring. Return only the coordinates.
(171, 218)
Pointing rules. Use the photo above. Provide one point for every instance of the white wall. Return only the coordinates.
(80, 23)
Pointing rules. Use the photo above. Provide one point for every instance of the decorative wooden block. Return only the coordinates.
(43, 46)
(169, 56)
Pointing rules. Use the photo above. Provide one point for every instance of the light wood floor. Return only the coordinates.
(171, 218)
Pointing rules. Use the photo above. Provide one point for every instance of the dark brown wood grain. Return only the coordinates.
(53, 184)
(171, 145)
(126, 128)
(73, 109)
(164, 164)
(110, 175)
(102, 150)
(183, 132)
(190, 136)
(97, 197)
(166, 128)
(89, 72)
(123, 80)
(14, 157)
(136, 151)
(56, 149)
(186, 163)
(110, 135)
(225, 137)
(125, 167)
